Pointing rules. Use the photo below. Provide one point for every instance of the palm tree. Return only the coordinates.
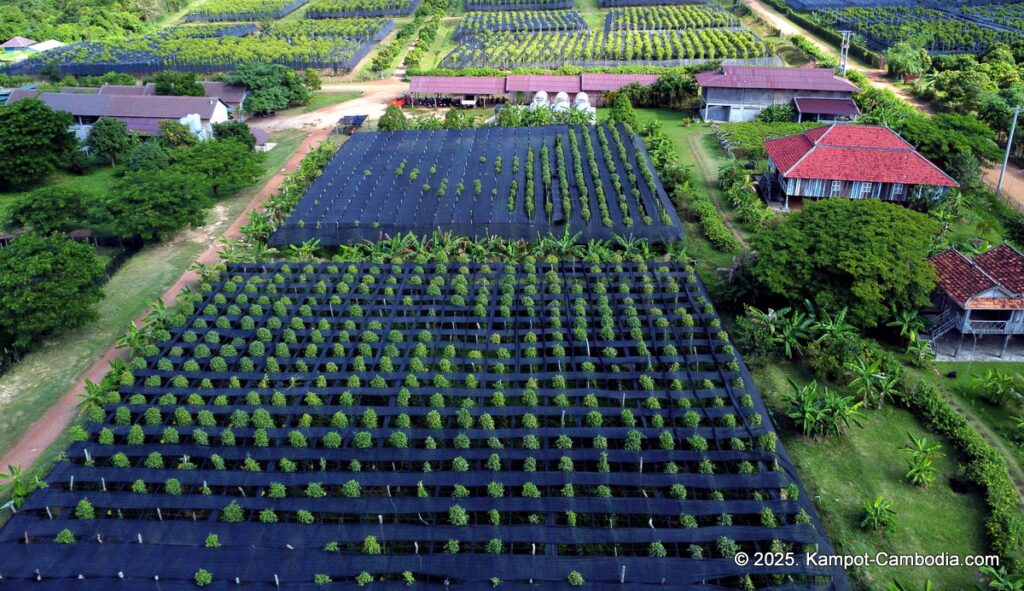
(878, 514)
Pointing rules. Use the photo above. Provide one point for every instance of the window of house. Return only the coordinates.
(897, 190)
(837, 187)
(865, 190)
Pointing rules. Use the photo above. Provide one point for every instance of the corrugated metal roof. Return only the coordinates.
(128, 89)
(160, 107)
(775, 78)
(546, 82)
(611, 82)
(457, 85)
(79, 105)
(229, 93)
(827, 106)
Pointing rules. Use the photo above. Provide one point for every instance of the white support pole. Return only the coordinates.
(1006, 155)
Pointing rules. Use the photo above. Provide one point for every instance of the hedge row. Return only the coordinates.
(711, 223)
(986, 467)
(858, 51)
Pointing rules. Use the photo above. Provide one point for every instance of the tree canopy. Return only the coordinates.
(154, 204)
(862, 254)
(109, 139)
(170, 83)
(223, 163)
(48, 284)
(271, 87)
(235, 130)
(56, 208)
(148, 156)
(34, 139)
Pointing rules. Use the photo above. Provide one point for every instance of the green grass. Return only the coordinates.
(698, 150)
(98, 180)
(321, 100)
(843, 473)
(996, 418)
(37, 381)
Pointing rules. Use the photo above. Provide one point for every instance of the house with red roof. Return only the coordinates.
(979, 296)
(740, 93)
(850, 162)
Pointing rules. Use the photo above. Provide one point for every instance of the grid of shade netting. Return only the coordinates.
(509, 182)
(451, 424)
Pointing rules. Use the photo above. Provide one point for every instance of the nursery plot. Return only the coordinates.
(885, 26)
(241, 10)
(611, 3)
(520, 20)
(508, 50)
(214, 47)
(442, 426)
(359, 8)
(1007, 15)
(519, 4)
(656, 18)
(510, 182)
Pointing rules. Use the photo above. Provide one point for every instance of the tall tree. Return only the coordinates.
(271, 87)
(622, 111)
(861, 254)
(48, 284)
(34, 139)
(148, 155)
(109, 138)
(154, 204)
(224, 163)
(175, 134)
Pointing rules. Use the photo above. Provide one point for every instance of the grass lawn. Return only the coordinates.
(321, 100)
(843, 473)
(698, 149)
(33, 384)
(996, 419)
(98, 180)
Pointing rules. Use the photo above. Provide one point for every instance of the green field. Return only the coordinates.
(36, 382)
(842, 473)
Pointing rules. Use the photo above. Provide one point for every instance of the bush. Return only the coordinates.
(203, 577)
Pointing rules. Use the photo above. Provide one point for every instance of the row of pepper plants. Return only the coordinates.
(405, 414)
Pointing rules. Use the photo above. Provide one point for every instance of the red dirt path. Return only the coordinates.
(44, 432)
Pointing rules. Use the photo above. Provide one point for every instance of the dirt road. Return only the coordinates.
(373, 101)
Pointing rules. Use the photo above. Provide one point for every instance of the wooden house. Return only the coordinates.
(850, 162)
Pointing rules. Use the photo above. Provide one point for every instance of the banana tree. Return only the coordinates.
(16, 484)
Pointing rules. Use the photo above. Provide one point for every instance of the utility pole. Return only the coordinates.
(1006, 156)
(844, 51)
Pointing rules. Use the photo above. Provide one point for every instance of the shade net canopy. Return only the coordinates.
(452, 424)
(509, 182)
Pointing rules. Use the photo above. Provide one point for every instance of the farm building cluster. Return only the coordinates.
(740, 93)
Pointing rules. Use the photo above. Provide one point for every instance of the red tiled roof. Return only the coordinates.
(963, 280)
(17, 43)
(764, 77)
(1004, 264)
(959, 278)
(854, 153)
(612, 82)
(456, 85)
(827, 106)
(546, 82)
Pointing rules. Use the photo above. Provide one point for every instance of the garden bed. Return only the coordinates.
(452, 424)
(241, 10)
(510, 182)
